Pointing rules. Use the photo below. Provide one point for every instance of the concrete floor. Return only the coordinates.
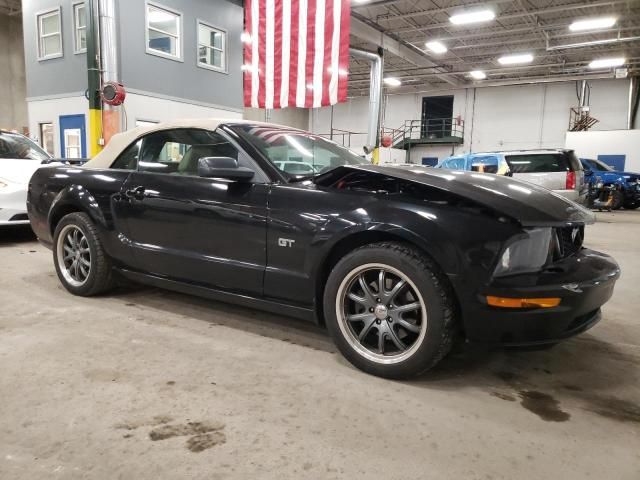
(145, 383)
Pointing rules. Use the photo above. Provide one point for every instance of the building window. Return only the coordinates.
(80, 27)
(212, 46)
(46, 137)
(72, 143)
(49, 34)
(164, 31)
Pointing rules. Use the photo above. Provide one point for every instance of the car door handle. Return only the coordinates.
(136, 193)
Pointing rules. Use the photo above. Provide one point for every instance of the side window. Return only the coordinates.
(128, 160)
(485, 164)
(178, 151)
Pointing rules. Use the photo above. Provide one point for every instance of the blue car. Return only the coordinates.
(626, 195)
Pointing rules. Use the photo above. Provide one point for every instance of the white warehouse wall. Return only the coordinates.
(498, 118)
(614, 142)
(149, 108)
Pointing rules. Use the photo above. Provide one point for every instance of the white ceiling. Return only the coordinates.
(539, 27)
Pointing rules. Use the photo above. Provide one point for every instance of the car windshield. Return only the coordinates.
(296, 153)
(15, 146)
(599, 166)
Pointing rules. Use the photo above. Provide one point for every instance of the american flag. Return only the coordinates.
(296, 53)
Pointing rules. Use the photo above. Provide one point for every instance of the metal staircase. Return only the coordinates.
(436, 131)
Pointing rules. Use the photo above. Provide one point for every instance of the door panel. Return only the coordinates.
(73, 143)
(202, 230)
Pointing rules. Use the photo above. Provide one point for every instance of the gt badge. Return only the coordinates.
(285, 242)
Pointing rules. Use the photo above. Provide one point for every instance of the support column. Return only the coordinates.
(109, 64)
(95, 140)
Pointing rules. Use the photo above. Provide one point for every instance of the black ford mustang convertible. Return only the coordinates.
(395, 261)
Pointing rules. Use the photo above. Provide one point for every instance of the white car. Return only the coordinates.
(20, 157)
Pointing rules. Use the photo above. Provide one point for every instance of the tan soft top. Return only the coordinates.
(120, 141)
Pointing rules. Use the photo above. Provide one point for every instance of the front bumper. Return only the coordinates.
(583, 281)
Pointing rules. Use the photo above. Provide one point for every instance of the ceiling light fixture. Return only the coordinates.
(472, 17)
(513, 59)
(607, 63)
(392, 82)
(592, 24)
(478, 74)
(436, 46)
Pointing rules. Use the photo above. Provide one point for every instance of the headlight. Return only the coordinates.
(599, 185)
(527, 253)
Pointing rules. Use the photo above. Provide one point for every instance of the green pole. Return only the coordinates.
(93, 72)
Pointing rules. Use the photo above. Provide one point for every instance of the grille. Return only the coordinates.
(569, 240)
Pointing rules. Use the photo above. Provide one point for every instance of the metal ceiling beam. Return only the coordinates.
(361, 28)
(497, 83)
(507, 70)
(433, 11)
(508, 16)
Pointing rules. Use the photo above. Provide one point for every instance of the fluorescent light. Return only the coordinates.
(472, 17)
(513, 59)
(392, 82)
(478, 74)
(436, 47)
(592, 24)
(245, 37)
(607, 63)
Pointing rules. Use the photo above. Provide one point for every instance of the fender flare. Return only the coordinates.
(75, 197)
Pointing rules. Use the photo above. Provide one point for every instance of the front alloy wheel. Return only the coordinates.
(381, 313)
(390, 310)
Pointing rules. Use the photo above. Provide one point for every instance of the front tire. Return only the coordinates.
(631, 205)
(618, 200)
(81, 263)
(389, 310)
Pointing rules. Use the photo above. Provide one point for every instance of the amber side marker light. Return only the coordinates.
(505, 302)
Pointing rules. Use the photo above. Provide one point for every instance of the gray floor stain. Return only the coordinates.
(199, 443)
(615, 409)
(503, 396)
(148, 422)
(543, 405)
(192, 428)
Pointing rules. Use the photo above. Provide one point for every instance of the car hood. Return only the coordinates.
(527, 203)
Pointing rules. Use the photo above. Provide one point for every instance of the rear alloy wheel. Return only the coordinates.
(81, 263)
(389, 310)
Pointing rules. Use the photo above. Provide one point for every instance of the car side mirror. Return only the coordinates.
(223, 167)
(588, 172)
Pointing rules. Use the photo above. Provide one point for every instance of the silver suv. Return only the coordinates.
(558, 170)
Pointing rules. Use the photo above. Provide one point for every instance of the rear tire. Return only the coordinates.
(618, 200)
(631, 205)
(81, 263)
(399, 330)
